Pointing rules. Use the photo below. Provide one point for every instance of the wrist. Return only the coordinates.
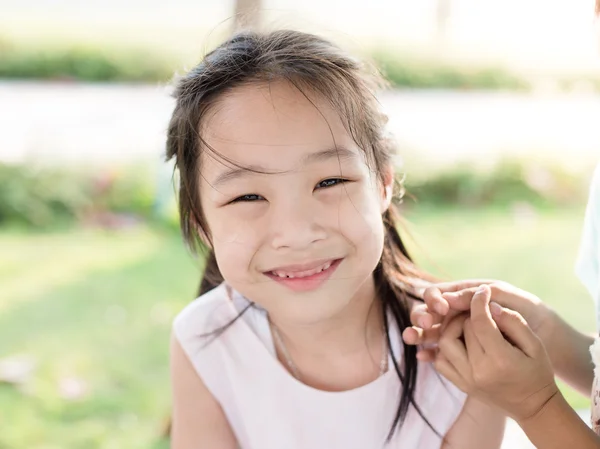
(547, 323)
(558, 426)
(555, 402)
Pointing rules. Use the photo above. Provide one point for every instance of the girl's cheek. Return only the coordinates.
(237, 223)
(359, 216)
(234, 258)
(240, 234)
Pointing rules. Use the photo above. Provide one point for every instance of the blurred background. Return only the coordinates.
(494, 104)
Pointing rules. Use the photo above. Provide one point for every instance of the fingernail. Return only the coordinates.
(450, 295)
(422, 322)
(495, 308)
(481, 290)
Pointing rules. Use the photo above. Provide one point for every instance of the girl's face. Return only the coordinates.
(303, 240)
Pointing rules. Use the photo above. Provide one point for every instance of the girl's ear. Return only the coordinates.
(388, 188)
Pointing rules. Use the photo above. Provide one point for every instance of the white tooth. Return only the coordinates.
(307, 273)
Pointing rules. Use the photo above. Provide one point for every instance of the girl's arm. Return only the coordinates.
(557, 426)
(198, 420)
(479, 426)
(569, 352)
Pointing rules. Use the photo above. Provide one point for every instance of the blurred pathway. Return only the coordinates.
(95, 123)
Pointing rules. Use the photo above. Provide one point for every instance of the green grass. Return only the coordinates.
(98, 305)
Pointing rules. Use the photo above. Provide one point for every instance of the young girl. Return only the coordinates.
(286, 177)
(509, 358)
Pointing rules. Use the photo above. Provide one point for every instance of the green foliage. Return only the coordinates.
(411, 72)
(128, 190)
(102, 64)
(505, 183)
(40, 197)
(83, 63)
(144, 63)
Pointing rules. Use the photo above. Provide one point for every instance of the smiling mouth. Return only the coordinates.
(295, 274)
(305, 277)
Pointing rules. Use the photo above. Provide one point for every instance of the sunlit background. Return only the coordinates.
(495, 106)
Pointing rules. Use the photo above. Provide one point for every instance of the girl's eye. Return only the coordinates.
(331, 182)
(247, 198)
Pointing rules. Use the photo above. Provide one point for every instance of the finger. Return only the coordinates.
(450, 318)
(427, 355)
(452, 347)
(504, 294)
(514, 326)
(421, 316)
(417, 336)
(412, 335)
(443, 366)
(474, 350)
(454, 328)
(456, 286)
(484, 327)
(432, 297)
(460, 300)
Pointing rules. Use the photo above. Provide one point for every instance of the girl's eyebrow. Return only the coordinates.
(232, 173)
(336, 152)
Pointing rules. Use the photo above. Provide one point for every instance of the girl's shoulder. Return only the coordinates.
(203, 329)
(205, 315)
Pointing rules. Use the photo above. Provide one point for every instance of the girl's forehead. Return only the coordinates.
(274, 115)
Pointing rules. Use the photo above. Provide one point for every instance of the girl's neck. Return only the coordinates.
(357, 327)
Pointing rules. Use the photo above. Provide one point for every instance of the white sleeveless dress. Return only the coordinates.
(268, 408)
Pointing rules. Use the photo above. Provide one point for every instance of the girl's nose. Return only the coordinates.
(297, 226)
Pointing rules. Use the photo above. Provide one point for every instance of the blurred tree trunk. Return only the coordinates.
(247, 14)
(443, 11)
